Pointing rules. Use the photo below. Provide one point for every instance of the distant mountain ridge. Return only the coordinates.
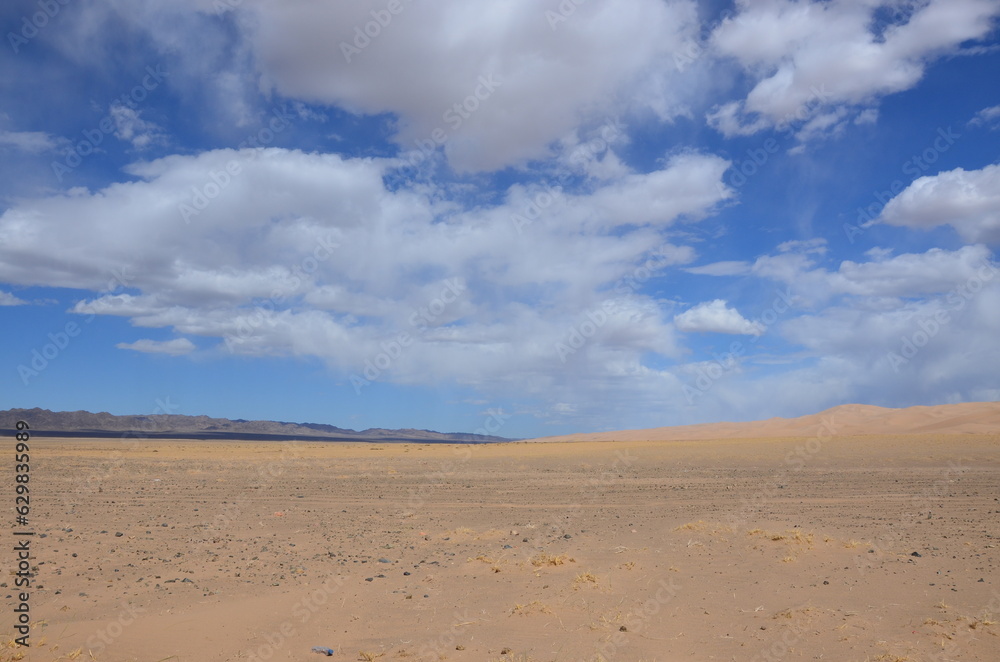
(48, 423)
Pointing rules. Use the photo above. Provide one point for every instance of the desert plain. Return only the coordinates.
(855, 535)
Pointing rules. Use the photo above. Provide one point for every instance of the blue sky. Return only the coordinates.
(559, 216)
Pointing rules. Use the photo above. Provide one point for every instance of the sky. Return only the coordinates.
(523, 218)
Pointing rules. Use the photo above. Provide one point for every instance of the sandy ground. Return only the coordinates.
(817, 547)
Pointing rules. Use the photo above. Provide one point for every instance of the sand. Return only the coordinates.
(877, 547)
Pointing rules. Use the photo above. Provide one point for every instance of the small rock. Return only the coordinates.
(119, 534)
(825, 583)
(567, 536)
(406, 573)
(623, 629)
(369, 579)
(917, 554)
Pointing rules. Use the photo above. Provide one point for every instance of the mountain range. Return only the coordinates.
(46, 423)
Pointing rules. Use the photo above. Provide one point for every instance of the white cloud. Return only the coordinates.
(915, 329)
(726, 268)
(909, 275)
(176, 347)
(543, 82)
(987, 117)
(821, 62)
(130, 127)
(716, 317)
(31, 142)
(8, 299)
(312, 255)
(968, 200)
(867, 116)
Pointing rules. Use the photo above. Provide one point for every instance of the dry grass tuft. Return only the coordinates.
(531, 607)
(544, 559)
(791, 537)
(18, 653)
(692, 526)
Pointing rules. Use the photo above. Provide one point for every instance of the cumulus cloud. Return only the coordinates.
(495, 87)
(908, 275)
(312, 255)
(716, 317)
(176, 347)
(968, 200)
(904, 328)
(820, 63)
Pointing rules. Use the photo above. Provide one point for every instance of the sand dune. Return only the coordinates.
(845, 420)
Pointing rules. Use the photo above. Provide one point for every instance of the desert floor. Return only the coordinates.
(855, 548)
